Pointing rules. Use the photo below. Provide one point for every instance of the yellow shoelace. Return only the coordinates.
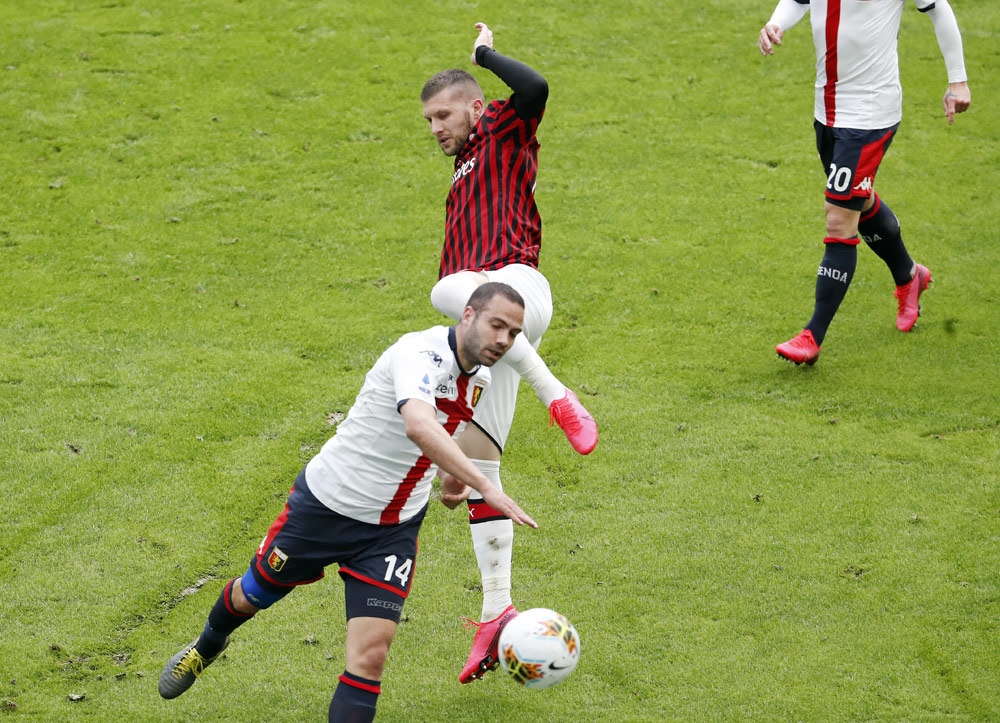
(192, 662)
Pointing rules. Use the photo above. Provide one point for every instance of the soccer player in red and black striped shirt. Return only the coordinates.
(493, 233)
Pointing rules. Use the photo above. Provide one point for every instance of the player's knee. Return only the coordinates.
(839, 228)
(451, 294)
(369, 661)
(841, 222)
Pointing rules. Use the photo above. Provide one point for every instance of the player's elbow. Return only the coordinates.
(416, 430)
(537, 90)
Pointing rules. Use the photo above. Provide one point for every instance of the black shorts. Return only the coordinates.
(851, 158)
(307, 536)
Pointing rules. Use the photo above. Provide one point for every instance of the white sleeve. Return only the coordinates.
(788, 12)
(949, 39)
(414, 372)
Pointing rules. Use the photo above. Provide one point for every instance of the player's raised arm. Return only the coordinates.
(484, 39)
(424, 430)
(958, 97)
(530, 89)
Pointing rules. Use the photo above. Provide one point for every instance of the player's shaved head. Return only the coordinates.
(484, 294)
(456, 79)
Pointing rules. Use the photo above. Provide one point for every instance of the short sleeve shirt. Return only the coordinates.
(370, 470)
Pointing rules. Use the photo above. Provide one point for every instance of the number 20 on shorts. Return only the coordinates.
(839, 179)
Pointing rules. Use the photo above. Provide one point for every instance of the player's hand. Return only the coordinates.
(957, 99)
(506, 506)
(770, 35)
(453, 492)
(485, 38)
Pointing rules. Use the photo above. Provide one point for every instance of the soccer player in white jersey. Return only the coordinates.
(857, 111)
(360, 501)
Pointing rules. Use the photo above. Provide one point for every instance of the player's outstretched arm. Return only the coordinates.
(530, 89)
(423, 429)
(785, 15)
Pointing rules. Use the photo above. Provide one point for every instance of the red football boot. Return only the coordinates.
(908, 296)
(485, 655)
(576, 422)
(801, 348)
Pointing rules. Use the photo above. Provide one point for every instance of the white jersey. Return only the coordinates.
(370, 470)
(857, 66)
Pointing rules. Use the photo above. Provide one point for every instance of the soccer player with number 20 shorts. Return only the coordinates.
(857, 111)
(360, 501)
(493, 233)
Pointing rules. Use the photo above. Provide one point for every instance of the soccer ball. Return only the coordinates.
(539, 648)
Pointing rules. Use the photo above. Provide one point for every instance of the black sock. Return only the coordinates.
(222, 620)
(880, 230)
(355, 699)
(834, 276)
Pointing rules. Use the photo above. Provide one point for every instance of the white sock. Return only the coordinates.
(450, 296)
(493, 543)
(532, 369)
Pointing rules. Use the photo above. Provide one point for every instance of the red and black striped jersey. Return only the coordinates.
(491, 218)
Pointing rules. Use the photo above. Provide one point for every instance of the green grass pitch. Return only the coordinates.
(216, 215)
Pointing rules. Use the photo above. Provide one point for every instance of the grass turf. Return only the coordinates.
(217, 215)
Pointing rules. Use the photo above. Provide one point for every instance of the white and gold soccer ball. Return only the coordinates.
(539, 648)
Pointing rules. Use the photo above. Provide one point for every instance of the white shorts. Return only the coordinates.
(495, 413)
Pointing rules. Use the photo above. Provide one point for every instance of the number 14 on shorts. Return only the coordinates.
(402, 572)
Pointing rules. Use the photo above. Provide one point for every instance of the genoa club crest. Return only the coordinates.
(277, 559)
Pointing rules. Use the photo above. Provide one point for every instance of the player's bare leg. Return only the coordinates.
(450, 295)
(367, 647)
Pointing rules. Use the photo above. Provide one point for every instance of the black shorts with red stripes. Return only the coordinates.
(376, 561)
(851, 158)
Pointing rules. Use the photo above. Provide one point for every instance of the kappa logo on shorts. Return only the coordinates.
(277, 559)
(865, 184)
(477, 392)
(374, 602)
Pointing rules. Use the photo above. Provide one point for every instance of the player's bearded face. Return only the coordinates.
(492, 333)
(462, 136)
(452, 117)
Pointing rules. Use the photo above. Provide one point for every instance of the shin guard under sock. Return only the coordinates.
(355, 699)
(222, 620)
(832, 280)
(493, 543)
(879, 227)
